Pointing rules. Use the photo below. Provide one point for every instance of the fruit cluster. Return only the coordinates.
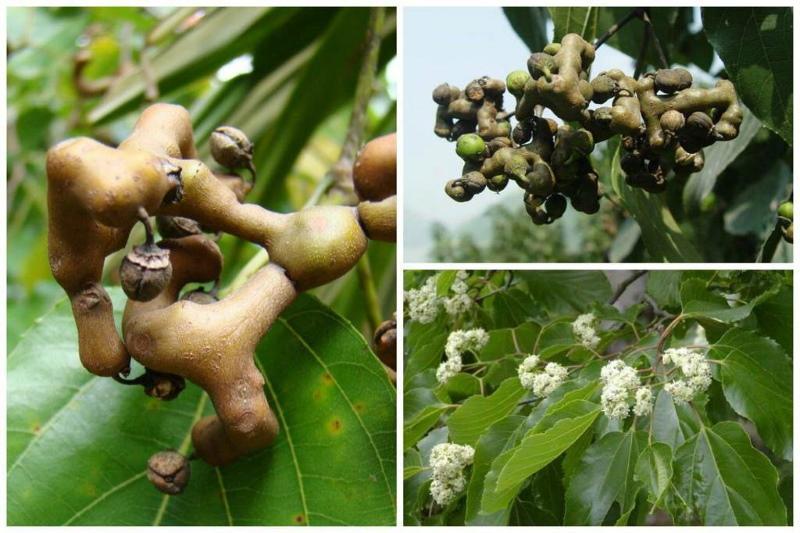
(663, 122)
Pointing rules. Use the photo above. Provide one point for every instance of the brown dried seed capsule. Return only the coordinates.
(145, 271)
(176, 227)
(163, 386)
(231, 148)
(671, 80)
(455, 189)
(169, 471)
(631, 163)
(199, 296)
(555, 205)
(385, 341)
(672, 120)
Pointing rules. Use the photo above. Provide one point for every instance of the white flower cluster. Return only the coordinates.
(423, 304)
(460, 302)
(695, 369)
(540, 383)
(619, 380)
(459, 342)
(583, 329)
(448, 462)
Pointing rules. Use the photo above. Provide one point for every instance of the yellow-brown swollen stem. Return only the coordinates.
(379, 219)
(559, 84)
(213, 346)
(625, 114)
(722, 97)
(375, 169)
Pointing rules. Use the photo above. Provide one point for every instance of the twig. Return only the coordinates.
(342, 169)
(625, 284)
(662, 57)
(370, 293)
(640, 60)
(635, 13)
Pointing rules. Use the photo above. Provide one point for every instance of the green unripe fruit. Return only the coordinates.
(497, 183)
(708, 203)
(540, 64)
(470, 146)
(516, 82)
(552, 48)
(786, 210)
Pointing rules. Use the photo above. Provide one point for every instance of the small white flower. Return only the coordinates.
(448, 368)
(461, 341)
(681, 391)
(584, 331)
(460, 302)
(423, 304)
(644, 402)
(695, 369)
(542, 384)
(448, 461)
(618, 380)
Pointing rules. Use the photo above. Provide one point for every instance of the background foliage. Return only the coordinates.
(725, 213)
(286, 76)
(559, 460)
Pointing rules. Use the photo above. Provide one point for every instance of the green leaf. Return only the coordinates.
(754, 209)
(757, 381)
(421, 411)
(604, 476)
(755, 43)
(424, 347)
(662, 236)
(497, 439)
(78, 445)
(536, 451)
(664, 287)
(775, 317)
(580, 20)
(223, 35)
(566, 291)
(717, 158)
(654, 470)
(672, 424)
(700, 302)
(513, 307)
(530, 24)
(411, 471)
(470, 420)
(505, 341)
(726, 481)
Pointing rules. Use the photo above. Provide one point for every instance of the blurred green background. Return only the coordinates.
(286, 76)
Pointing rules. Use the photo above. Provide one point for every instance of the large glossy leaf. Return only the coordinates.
(727, 482)
(424, 345)
(672, 424)
(530, 23)
(717, 158)
(580, 20)
(757, 381)
(225, 34)
(604, 476)
(775, 317)
(755, 43)
(421, 410)
(78, 444)
(663, 238)
(470, 420)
